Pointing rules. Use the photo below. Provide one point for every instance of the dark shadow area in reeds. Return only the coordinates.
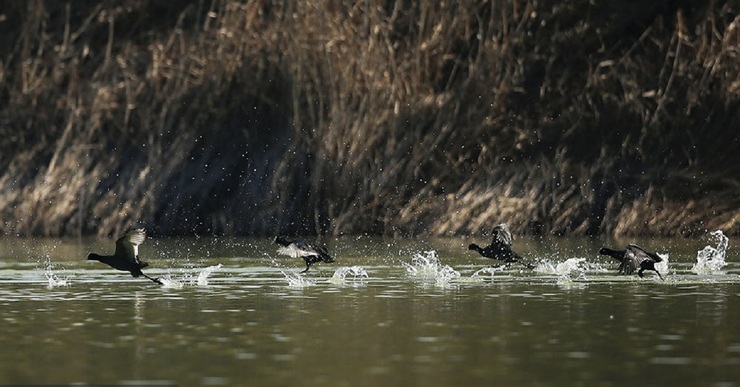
(381, 117)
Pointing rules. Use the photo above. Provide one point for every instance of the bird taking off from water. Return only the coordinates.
(310, 252)
(126, 256)
(633, 257)
(500, 247)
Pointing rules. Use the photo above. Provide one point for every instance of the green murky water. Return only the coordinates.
(388, 312)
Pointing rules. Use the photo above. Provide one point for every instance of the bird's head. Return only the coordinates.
(472, 246)
(93, 257)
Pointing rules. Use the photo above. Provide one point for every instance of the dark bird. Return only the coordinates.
(310, 252)
(500, 247)
(633, 257)
(126, 256)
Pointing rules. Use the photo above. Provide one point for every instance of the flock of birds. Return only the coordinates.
(632, 258)
(126, 255)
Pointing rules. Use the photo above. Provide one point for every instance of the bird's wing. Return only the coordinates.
(298, 248)
(641, 254)
(290, 250)
(323, 253)
(321, 250)
(502, 235)
(301, 244)
(307, 248)
(628, 265)
(127, 246)
(634, 256)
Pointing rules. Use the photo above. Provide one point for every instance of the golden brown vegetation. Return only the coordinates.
(382, 117)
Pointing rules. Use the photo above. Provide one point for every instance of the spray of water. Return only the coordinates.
(202, 279)
(574, 268)
(491, 270)
(52, 279)
(662, 266)
(426, 266)
(568, 272)
(358, 273)
(296, 280)
(445, 276)
(711, 260)
(169, 282)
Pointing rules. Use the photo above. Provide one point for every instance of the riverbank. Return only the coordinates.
(356, 118)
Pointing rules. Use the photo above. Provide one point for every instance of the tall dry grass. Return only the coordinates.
(383, 117)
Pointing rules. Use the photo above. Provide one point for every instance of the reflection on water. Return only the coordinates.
(384, 313)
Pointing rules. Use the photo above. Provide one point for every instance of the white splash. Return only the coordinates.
(445, 276)
(662, 266)
(53, 280)
(427, 266)
(202, 279)
(171, 283)
(491, 270)
(571, 268)
(711, 260)
(340, 275)
(296, 280)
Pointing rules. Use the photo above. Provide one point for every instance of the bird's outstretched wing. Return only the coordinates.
(629, 264)
(305, 247)
(293, 249)
(639, 254)
(321, 250)
(127, 246)
(502, 235)
(323, 253)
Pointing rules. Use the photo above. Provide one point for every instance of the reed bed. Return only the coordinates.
(369, 117)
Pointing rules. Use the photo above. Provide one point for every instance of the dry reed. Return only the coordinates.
(383, 117)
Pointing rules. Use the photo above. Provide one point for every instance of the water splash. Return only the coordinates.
(427, 266)
(423, 265)
(573, 268)
(662, 266)
(357, 272)
(179, 281)
(170, 282)
(202, 279)
(296, 280)
(491, 270)
(711, 260)
(445, 276)
(53, 280)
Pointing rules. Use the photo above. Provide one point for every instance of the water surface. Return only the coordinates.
(401, 312)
